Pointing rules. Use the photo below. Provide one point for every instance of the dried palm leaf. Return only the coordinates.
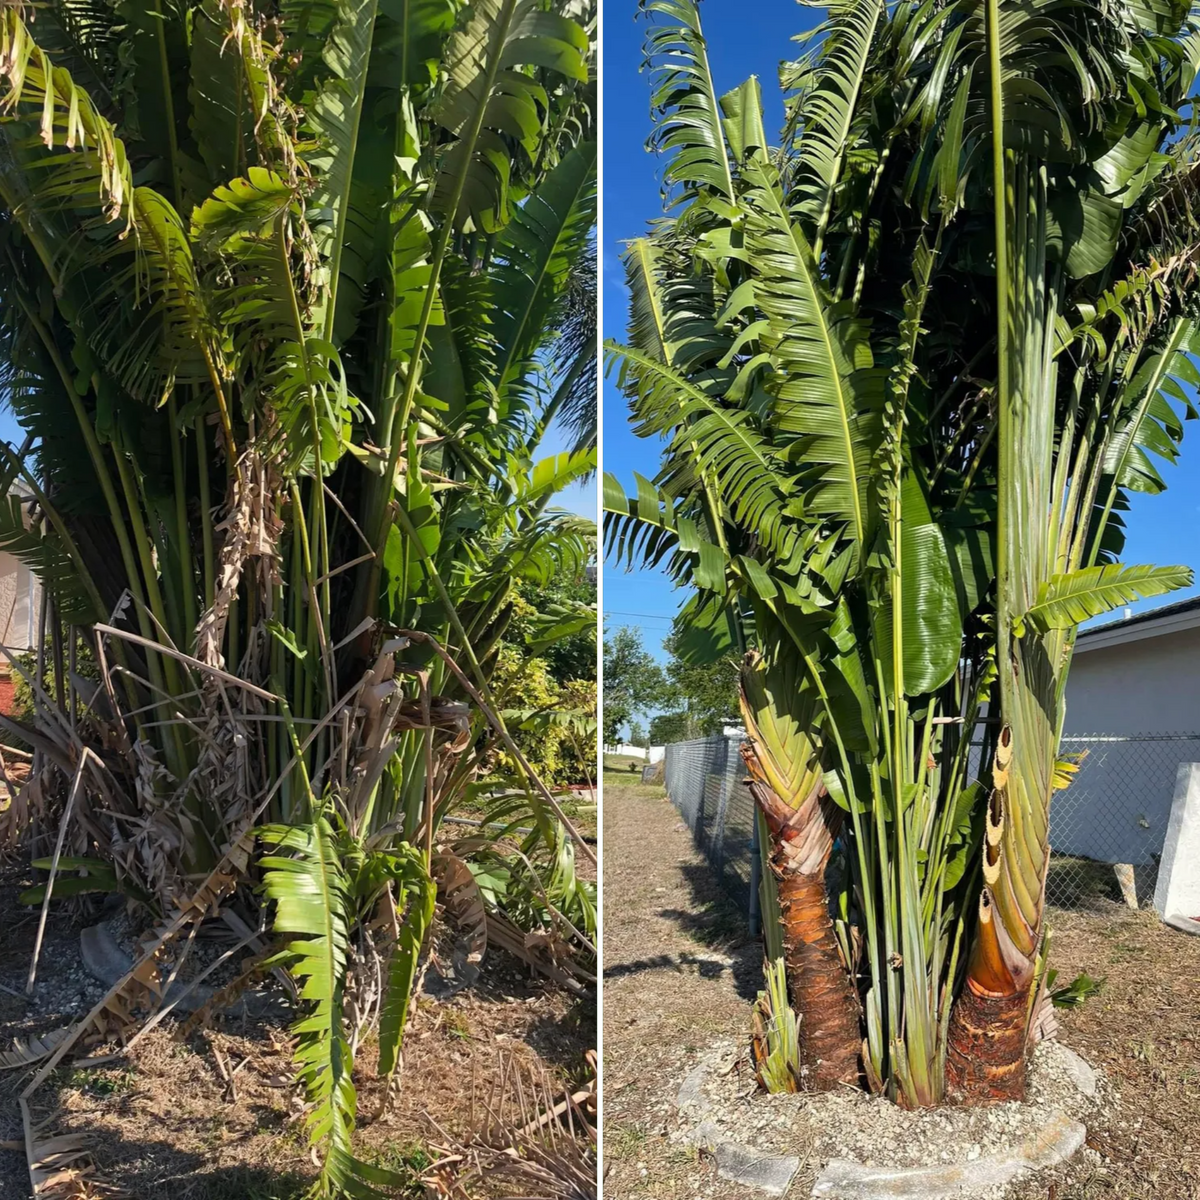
(534, 1142)
(462, 902)
(114, 1012)
(57, 1164)
(26, 1053)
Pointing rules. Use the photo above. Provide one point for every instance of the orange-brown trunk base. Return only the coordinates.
(985, 1055)
(821, 991)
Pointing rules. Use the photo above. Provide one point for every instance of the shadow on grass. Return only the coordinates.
(1084, 883)
(152, 1170)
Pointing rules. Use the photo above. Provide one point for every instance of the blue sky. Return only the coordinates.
(749, 37)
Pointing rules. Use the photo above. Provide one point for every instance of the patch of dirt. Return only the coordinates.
(680, 973)
(1143, 1031)
(163, 1123)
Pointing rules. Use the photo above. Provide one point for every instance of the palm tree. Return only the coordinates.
(908, 365)
(290, 296)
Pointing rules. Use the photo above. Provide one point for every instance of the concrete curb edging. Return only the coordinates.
(844, 1180)
(770, 1173)
(1057, 1141)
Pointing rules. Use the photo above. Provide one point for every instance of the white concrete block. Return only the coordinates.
(1177, 895)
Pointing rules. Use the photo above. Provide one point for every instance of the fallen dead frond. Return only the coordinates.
(25, 1054)
(536, 1141)
(59, 1166)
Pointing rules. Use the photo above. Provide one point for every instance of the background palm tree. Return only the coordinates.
(908, 363)
(291, 294)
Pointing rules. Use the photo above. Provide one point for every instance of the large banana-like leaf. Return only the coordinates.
(222, 120)
(1065, 601)
(828, 395)
(647, 326)
(336, 116)
(689, 131)
(59, 114)
(639, 528)
(536, 254)
(491, 101)
(706, 630)
(314, 898)
(550, 475)
(715, 447)
(931, 619)
(312, 906)
(156, 96)
(53, 560)
(414, 879)
(830, 108)
(1151, 426)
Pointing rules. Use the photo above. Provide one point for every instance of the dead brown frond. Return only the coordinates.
(535, 1141)
(26, 1053)
(462, 904)
(58, 1163)
(251, 527)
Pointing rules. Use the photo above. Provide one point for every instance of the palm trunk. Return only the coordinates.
(985, 1053)
(818, 983)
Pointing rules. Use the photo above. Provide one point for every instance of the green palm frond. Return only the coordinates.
(1066, 601)
(688, 131)
(641, 528)
(830, 109)
(53, 559)
(536, 255)
(708, 440)
(411, 875)
(336, 115)
(828, 396)
(489, 96)
(53, 113)
(314, 905)
(1150, 425)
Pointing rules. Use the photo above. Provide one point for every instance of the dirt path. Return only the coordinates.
(679, 971)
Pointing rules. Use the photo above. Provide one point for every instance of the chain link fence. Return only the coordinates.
(1106, 828)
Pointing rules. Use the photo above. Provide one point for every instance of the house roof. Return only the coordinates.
(1155, 622)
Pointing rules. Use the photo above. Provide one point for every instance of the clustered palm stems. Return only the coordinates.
(289, 296)
(908, 364)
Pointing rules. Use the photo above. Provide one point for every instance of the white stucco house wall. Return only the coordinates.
(20, 600)
(1133, 694)
(20, 606)
(1138, 675)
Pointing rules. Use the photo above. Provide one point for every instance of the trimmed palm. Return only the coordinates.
(894, 468)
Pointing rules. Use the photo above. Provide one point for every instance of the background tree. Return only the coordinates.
(669, 727)
(633, 681)
(706, 695)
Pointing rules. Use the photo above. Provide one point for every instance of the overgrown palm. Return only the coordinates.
(895, 467)
(290, 295)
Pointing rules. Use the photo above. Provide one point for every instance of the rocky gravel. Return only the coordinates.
(721, 1094)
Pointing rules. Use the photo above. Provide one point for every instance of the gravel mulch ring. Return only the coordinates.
(163, 1123)
(873, 1131)
(679, 974)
